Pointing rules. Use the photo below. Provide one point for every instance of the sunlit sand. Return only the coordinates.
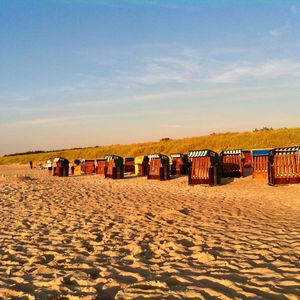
(88, 237)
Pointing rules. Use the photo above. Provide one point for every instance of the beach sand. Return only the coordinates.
(93, 238)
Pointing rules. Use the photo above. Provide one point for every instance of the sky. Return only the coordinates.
(77, 73)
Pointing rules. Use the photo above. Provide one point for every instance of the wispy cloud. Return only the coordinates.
(275, 33)
(160, 4)
(17, 97)
(295, 9)
(230, 50)
(151, 97)
(167, 70)
(171, 126)
(269, 70)
(288, 24)
(37, 94)
(155, 3)
(47, 121)
(177, 96)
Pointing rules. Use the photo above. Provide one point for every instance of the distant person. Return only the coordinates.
(49, 166)
(31, 164)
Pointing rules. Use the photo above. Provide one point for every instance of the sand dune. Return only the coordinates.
(93, 238)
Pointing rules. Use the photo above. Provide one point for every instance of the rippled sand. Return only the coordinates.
(93, 238)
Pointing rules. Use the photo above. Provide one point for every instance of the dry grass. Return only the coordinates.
(245, 140)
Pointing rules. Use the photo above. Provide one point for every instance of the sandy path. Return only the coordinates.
(91, 238)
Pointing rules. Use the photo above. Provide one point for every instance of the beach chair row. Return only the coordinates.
(277, 166)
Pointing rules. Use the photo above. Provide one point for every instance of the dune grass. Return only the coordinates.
(217, 142)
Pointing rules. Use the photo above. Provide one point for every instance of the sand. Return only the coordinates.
(93, 238)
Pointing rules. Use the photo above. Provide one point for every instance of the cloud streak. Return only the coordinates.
(168, 69)
(154, 97)
(47, 121)
(269, 70)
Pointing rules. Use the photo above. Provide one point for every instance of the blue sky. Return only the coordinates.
(85, 73)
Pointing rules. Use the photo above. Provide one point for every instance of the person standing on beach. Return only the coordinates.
(31, 164)
(49, 166)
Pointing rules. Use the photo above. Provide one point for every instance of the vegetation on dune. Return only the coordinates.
(259, 138)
